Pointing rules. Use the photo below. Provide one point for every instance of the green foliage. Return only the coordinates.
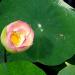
(69, 70)
(53, 22)
(20, 68)
(54, 41)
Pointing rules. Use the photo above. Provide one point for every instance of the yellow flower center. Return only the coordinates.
(15, 38)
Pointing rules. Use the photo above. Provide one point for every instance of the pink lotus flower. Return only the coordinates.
(17, 36)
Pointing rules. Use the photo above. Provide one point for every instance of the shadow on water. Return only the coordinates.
(71, 3)
(0, 0)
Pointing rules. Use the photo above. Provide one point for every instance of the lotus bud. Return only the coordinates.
(17, 36)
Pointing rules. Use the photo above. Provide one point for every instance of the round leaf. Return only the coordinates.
(20, 68)
(53, 22)
(69, 70)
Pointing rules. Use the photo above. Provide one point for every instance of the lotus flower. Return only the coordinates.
(17, 36)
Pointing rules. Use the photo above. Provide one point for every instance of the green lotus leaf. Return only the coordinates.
(20, 68)
(53, 22)
(69, 70)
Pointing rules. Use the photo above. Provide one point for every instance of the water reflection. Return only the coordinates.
(40, 27)
(60, 36)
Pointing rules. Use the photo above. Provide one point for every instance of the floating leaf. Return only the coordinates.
(69, 70)
(20, 68)
(54, 24)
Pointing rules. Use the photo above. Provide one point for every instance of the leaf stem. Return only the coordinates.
(68, 64)
(5, 56)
